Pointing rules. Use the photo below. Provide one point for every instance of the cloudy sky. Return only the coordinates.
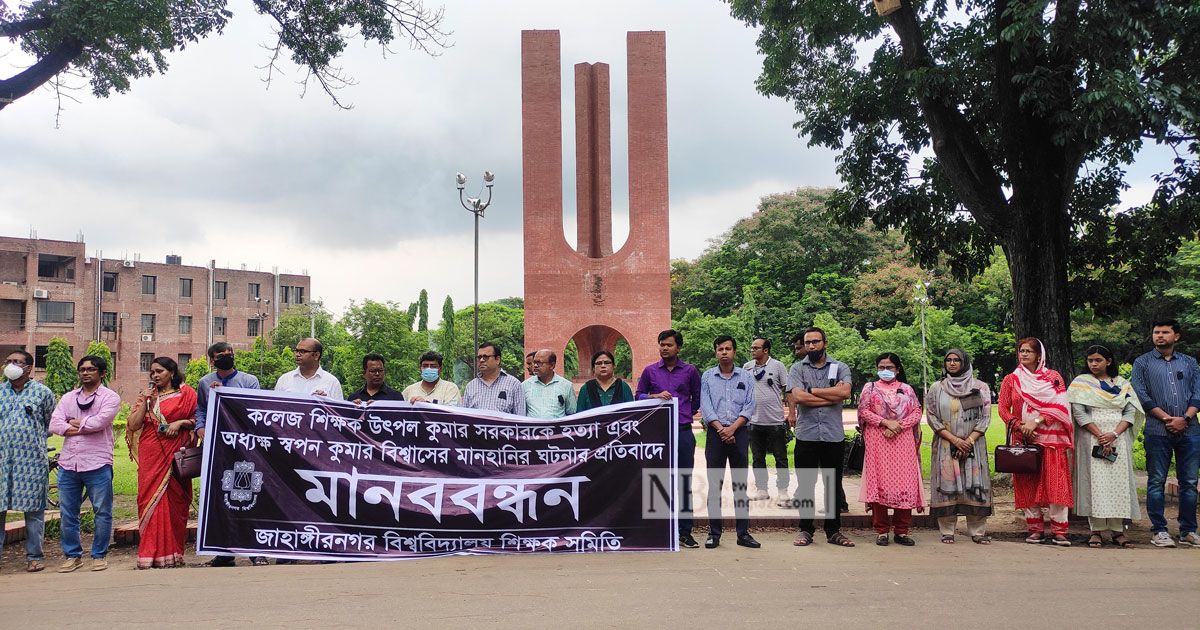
(208, 163)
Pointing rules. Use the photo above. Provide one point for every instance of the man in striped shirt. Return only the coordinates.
(1168, 384)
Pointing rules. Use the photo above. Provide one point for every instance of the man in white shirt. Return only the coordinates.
(308, 377)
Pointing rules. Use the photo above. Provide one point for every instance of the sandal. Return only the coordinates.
(1095, 542)
(259, 561)
(948, 539)
(803, 539)
(1036, 538)
(982, 540)
(839, 539)
(1121, 541)
(1061, 541)
(34, 566)
(881, 540)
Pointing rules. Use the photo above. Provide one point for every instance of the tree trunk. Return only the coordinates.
(1036, 249)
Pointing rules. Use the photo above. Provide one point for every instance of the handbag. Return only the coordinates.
(853, 461)
(186, 463)
(1018, 459)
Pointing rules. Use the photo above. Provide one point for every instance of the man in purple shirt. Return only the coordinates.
(84, 417)
(672, 378)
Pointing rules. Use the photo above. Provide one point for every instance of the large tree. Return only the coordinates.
(980, 123)
(111, 43)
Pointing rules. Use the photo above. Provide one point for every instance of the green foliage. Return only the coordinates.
(295, 325)
(700, 330)
(445, 338)
(382, 328)
(265, 362)
(423, 311)
(60, 367)
(194, 371)
(1185, 283)
(112, 43)
(499, 324)
(100, 349)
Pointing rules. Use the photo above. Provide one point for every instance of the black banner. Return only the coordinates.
(311, 478)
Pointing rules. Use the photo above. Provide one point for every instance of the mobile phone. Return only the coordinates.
(1098, 453)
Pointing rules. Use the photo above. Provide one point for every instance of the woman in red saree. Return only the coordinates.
(1033, 403)
(164, 415)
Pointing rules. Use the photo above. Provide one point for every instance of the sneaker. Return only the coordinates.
(1162, 539)
(99, 564)
(760, 495)
(70, 565)
(686, 540)
(1190, 539)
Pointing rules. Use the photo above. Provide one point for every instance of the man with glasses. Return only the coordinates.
(375, 385)
(819, 387)
(309, 377)
(84, 417)
(493, 389)
(224, 374)
(547, 394)
(432, 388)
(1168, 385)
(769, 424)
(25, 408)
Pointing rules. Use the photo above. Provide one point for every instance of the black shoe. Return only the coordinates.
(712, 542)
(746, 540)
(686, 540)
(903, 539)
(222, 561)
(882, 540)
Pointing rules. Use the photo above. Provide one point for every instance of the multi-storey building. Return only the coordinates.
(140, 309)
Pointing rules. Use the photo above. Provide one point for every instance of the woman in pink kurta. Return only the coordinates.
(888, 409)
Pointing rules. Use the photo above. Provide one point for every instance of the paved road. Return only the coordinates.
(1004, 585)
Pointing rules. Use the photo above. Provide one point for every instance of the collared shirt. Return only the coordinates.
(24, 416)
(819, 424)
(294, 382)
(504, 394)
(682, 382)
(548, 400)
(1172, 386)
(770, 385)
(385, 393)
(726, 398)
(444, 393)
(93, 447)
(237, 379)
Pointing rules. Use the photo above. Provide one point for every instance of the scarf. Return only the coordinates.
(1042, 393)
(964, 383)
(1089, 391)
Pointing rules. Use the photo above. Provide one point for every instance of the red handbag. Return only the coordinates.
(1018, 459)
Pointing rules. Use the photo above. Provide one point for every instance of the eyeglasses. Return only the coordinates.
(302, 351)
(20, 362)
(484, 357)
(603, 362)
(813, 342)
(953, 360)
(87, 370)
(375, 371)
(536, 363)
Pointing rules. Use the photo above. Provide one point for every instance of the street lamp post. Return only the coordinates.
(476, 206)
(262, 305)
(922, 295)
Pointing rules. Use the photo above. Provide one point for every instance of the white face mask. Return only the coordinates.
(13, 372)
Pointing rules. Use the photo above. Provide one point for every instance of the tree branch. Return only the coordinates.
(18, 28)
(39, 73)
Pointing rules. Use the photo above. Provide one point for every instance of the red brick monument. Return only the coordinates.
(592, 294)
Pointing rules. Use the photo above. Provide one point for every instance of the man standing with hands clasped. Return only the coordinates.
(727, 404)
(769, 426)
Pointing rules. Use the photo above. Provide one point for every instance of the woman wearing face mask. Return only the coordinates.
(1107, 416)
(959, 410)
(606, 388)
(1033, 404)
(164, 415)
(888, 409)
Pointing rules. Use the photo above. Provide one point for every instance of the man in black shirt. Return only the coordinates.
(376, 388)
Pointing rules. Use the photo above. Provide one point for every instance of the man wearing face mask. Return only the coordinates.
(375, 382)
(220, 355)
(432, 388)
(25, 408)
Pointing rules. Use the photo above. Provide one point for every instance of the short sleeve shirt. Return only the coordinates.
(770, 385)
(819, 424)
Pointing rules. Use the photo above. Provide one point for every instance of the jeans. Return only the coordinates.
(70, 499)
(687, 461)
(772, 439)
(35, 527)
(825, 456)
(1186, 450)
(716, 455)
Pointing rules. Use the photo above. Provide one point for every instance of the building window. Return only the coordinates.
(218, 326)
(56, 268)
(184, 358)
(185, 324)
(144, 361)
(252, 327)
(185, 287)
(56, 312)
(147, 323)
(110, 282)
(149, 285)
(40, 352)
(108, 322)
(219, 289)
(292, 295)
(253, 290)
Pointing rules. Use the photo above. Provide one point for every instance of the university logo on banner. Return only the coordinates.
(298, 477)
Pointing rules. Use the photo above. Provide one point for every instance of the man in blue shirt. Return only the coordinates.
(1168, 384)
(727, 404)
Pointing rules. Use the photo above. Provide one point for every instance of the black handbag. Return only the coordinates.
(1018, 459)
(186, 463)
(855, 453)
